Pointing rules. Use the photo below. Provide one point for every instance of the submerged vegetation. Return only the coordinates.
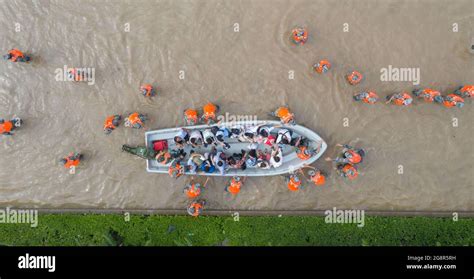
(151, 230)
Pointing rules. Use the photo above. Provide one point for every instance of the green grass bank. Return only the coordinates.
(151, 230)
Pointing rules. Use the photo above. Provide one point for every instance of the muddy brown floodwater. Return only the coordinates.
(246, 73)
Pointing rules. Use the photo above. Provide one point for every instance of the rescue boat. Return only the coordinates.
(291, 162)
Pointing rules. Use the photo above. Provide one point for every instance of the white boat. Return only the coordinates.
(291, 161)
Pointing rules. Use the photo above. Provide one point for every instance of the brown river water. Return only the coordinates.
(246, 73)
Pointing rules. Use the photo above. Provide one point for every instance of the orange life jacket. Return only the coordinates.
(356, 158)
(371, 98)
(401, 101)
(451, 100)
(234, 187)
(109, 123)
(429, 94)
(15, 54)
(166, 157)
(134, 118)
(71, 163)
(322, 67)
(354, 77)
(350, 171)
(302, 153)
(284, 114)
(318, 179)
(148, 89)
(210, 111)
(467, 90)
(298, 37)
(177, 169)
(6, 127)
(191, 116)
(294, 183)
(197, 208)
(193, 191)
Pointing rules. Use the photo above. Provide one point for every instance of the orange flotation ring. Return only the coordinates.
(354, 77)
(299, 35)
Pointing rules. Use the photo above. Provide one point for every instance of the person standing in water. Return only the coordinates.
(147, 90)
(193, 189)
(349, 155)
(235, 185)
(196, 207)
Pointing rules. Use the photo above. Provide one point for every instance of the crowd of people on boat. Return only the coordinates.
(218, 139)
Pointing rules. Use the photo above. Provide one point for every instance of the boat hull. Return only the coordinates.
(290, 161)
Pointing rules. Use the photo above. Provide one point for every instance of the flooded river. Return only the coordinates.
(238, 55)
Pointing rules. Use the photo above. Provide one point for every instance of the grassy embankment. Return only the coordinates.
(78, 229)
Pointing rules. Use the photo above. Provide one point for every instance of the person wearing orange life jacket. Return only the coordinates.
(349, 155)
(316, 176)
(147, 90)
(347, 171)
(400, 99)
(111, 122)
(429, 95)
(293, 182)
(453, 100)
(465, 91)
(16, 55)
(368, 97)
(235, 185)
(191, 117)
(193, 189)
(196, 207)
(210, 113)
(176, 169)
(285, 115)
(135, 120)
(72, 160)
(322, 67)
(303, 152)
(7, 127)
(354, 77)
(299, 35)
